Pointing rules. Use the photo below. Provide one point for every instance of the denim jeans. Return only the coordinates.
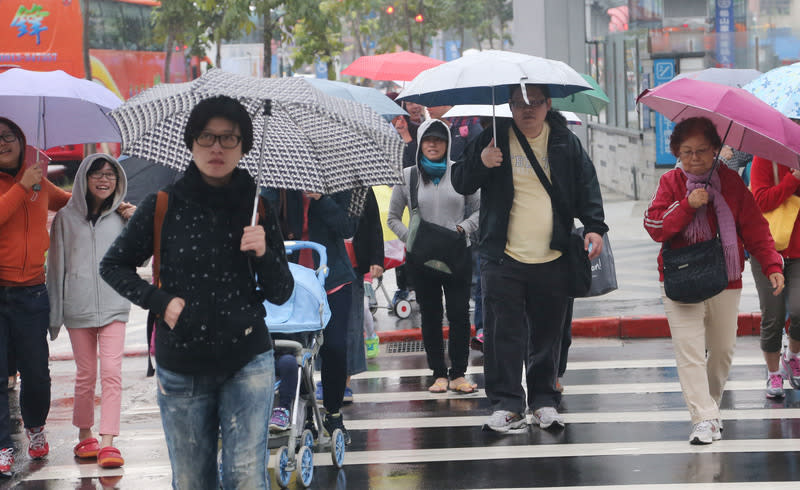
(24, 318)
(195, 409)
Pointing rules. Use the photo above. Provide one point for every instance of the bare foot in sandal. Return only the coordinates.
(461, 385)
(439, 386)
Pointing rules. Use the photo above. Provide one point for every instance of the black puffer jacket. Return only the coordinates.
(573, 177)
(222, 325)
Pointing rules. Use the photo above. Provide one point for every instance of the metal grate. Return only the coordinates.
(405, 347)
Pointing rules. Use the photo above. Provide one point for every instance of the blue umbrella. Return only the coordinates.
(374, 98)
(779, 88)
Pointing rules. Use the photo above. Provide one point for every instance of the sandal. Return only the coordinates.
(462, 386)
(439, 386)
(87, 448)
(110, 457)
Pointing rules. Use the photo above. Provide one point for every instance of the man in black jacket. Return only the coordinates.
(523, 238)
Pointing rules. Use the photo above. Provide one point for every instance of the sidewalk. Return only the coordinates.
(634, 310)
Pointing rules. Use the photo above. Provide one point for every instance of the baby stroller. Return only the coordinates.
(302, 317)
(394, 256)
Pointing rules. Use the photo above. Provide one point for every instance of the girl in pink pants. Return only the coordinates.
(94, 314)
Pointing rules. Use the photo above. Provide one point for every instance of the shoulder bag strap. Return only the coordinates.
(548, 186)
(162, 202)
(414, 182)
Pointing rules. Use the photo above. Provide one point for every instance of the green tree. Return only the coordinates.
(462, 16)
(223, 21)
(497, 14)
(176, 22)
(317, 32)
(271, 12)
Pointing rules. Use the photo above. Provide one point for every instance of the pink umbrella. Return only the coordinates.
(403, 66)
(743, 120)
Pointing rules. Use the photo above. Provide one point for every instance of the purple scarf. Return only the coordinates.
(699, 229)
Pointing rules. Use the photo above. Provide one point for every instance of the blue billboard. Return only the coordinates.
(663, 71)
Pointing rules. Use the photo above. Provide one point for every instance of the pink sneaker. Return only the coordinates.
(790, 369)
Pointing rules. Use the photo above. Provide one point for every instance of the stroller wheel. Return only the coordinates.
(403, 308)
(282, 474)
(306, 473)
(337, 448)
(307, 439)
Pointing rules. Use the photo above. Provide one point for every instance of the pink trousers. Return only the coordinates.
(111, 340)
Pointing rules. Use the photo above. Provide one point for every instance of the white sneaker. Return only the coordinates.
(705, 432)
(546, 417)
(716, 429)
(506, 422)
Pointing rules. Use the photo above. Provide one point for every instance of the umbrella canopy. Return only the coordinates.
(747, 123)
(401, 66)
(501, 110)
(146, 177)
(779, 88)
(590, 101)
(486, 78)
(311, 141)
(374, 98)
(53, 108)
(732, 77)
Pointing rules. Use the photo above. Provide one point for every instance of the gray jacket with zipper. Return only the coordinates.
(79, 297)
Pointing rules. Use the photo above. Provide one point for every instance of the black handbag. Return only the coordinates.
(580, 267)
(696, 272)
(438, 249)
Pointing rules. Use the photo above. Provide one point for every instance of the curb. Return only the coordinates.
(623, 327)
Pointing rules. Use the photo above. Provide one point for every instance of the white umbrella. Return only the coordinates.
(54, 109)
(502, 110)
(487, 78)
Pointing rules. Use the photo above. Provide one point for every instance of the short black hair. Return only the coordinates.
(690, 127)
(20, 136)
(543, 87)
(219, 106)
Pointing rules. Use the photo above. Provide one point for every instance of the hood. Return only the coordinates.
(423, 128)
(80, 186)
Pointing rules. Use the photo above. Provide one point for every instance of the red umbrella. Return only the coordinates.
(747, 123)
(402, 66)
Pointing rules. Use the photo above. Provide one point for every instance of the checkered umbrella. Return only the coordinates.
(311, 141)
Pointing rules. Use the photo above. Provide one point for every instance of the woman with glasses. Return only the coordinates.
(94, 314)
(691, 204)
(772, 185)
(25, 199)
(215, 366)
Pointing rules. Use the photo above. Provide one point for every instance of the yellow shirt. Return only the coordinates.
(530, 222)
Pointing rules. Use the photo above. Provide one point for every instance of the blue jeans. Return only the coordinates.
(24, 318)
(195, 409)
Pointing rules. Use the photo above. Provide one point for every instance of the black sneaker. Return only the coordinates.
(334, 421)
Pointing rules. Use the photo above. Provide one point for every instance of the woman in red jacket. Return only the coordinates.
(684, 211)
(772, 184)
(24, 306)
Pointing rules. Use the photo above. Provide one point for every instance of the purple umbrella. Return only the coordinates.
(744, 121)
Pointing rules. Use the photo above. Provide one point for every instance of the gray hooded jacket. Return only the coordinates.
(79, 298)
(439, 204)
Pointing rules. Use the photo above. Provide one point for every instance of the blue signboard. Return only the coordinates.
(725, 34)
(451, 50)
(663, 71)
(321, 69)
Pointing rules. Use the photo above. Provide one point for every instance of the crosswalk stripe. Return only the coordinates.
(405, 456)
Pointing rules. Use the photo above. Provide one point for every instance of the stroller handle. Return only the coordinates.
(297, 245)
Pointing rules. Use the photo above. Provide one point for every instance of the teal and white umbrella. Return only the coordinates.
(779, 88)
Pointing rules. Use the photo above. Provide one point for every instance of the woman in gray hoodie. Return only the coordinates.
(90, 309)
(439, 204)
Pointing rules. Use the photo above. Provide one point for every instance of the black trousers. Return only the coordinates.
(524, 309)
(429, 287)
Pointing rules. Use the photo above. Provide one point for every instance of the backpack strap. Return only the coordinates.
(162, 203)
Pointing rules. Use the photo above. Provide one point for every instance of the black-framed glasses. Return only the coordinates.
(700, 153)
(109, 176)
(8, 137)
(227, 141)
(520, 104)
